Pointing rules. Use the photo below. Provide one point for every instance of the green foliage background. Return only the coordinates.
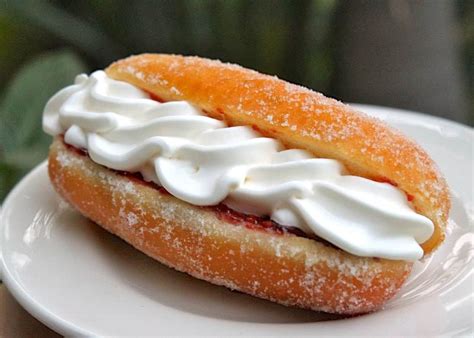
(44, 44)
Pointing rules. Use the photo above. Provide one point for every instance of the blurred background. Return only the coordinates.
(412, 54)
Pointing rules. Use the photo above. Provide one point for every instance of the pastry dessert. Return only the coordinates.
(247, 181)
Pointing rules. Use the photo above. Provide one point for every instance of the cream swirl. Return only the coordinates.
(202, 161)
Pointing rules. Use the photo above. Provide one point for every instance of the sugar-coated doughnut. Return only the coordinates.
(253, 257)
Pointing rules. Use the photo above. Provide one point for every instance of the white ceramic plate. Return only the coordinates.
(78, 279)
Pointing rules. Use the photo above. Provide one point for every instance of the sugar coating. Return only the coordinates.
(299, 118)
(287, 269)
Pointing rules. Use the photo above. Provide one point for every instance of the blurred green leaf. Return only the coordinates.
(24, 158)
(6, 174)
(21, 39)
(23, 143)
(27, 94)
(8, 177)
(50, 17)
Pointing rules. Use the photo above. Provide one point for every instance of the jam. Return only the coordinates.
(255, 222)
(410, 198)
(222, 211)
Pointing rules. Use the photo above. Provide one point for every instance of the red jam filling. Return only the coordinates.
(155, 97)
(222, 211)
(410, 198)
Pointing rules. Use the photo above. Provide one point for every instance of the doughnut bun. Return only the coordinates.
(299, 118)
(281, 267)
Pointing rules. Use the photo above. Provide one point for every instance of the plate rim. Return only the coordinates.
(32, 306)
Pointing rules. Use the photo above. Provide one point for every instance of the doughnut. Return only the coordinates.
(244, 252)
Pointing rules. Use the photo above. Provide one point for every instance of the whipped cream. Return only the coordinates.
(204, 162)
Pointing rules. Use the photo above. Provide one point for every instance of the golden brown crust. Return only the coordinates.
(287, 269)
(299, 118)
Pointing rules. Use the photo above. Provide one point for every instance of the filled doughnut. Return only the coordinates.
(247, 181)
